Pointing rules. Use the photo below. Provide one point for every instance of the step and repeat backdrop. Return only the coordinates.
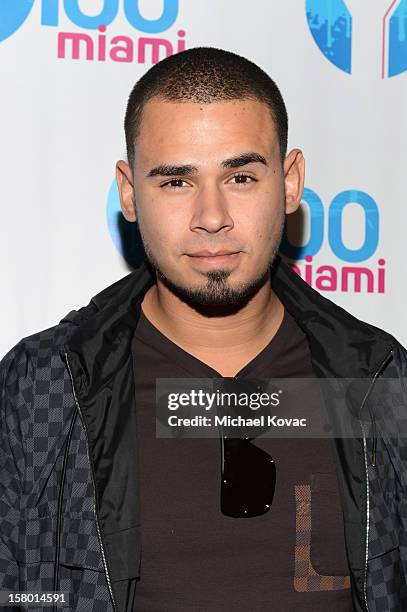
(67, 67)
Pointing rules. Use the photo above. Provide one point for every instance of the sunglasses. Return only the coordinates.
(248, 473)
(248, 478)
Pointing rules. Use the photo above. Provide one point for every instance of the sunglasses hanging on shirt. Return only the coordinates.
(248, 474)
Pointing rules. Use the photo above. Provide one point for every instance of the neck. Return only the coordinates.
(213, 331)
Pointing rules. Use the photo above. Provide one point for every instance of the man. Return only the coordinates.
(92, 502)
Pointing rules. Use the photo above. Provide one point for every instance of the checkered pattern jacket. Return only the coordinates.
(69, 499)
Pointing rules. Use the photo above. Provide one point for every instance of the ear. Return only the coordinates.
(124, 179)
(294, 172)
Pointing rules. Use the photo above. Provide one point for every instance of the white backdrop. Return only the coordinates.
(341, 69)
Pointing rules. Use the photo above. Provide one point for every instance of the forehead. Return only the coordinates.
(189, 128)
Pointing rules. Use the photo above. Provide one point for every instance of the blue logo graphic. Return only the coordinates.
(13, 13)
(114, 212)
(398, 40)
(330, 23)
(335, 231)
(331, 27)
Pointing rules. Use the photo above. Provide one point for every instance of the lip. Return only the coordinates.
(206, 253)
(214, 258)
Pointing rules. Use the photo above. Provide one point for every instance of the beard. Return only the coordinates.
(217, 292)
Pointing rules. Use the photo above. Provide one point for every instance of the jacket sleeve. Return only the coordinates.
(10, 475)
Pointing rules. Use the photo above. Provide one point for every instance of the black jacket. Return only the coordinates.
(69, 500)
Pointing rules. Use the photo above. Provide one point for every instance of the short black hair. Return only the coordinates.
(204, 75)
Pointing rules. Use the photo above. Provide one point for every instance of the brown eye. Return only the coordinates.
(174, 184)
(243, 179)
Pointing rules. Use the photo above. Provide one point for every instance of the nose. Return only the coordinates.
(211, 212)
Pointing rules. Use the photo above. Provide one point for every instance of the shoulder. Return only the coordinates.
(38, 356)
(36, 359)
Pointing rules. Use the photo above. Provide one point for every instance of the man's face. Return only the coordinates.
(210, 178)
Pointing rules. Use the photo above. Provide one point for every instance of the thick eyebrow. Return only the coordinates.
(232, 162)
(168, 170)
(243, 159)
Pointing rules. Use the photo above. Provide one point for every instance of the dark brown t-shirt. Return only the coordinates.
(292, 558)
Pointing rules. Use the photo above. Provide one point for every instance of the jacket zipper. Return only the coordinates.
(94, 488)
(382, 364)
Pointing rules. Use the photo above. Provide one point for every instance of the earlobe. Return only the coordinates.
(294, 173)
(124, 179)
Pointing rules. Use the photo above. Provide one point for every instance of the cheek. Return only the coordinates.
(159, 213)
(262, 224)
(163, 230)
